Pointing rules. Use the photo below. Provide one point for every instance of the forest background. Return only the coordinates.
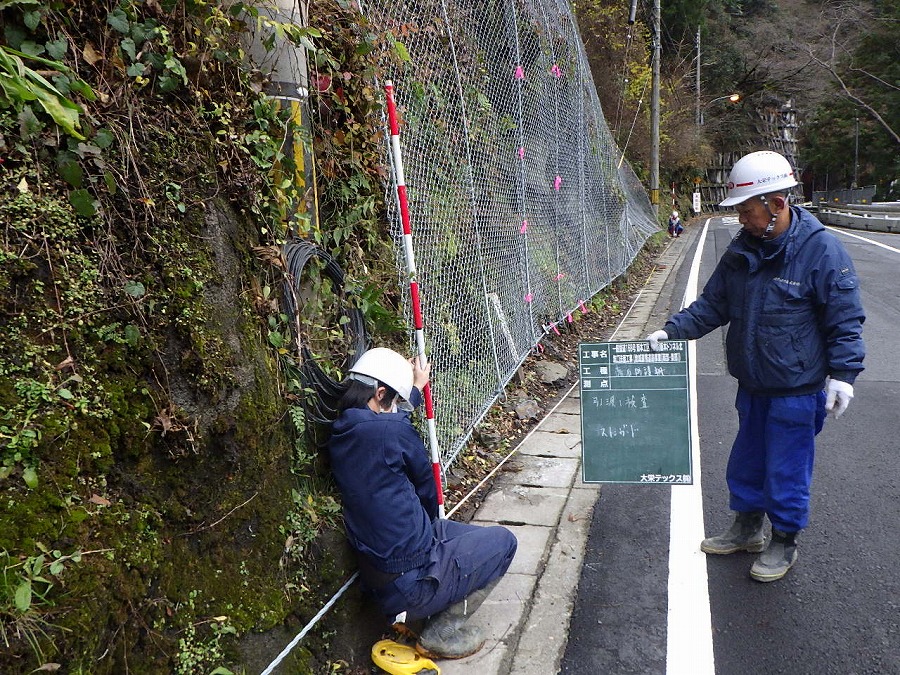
(165, 507)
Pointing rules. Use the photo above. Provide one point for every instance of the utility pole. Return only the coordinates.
(856, 158)
(654, 111)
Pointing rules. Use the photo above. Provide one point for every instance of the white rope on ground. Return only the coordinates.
(312, 622)
(308, 627)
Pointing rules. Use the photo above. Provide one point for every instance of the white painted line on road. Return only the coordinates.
(689, 647)
(868, 241)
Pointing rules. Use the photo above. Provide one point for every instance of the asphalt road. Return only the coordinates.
(838, 610)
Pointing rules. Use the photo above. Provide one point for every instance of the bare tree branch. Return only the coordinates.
(853, 97)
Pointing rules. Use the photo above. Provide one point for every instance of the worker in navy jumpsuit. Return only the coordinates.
(410, 560)
(789, 294)
(794, 315)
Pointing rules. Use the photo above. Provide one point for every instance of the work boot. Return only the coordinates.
(446, 635)
(745, 534)
(777, 559)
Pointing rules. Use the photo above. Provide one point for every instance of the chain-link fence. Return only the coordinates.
(521, 208)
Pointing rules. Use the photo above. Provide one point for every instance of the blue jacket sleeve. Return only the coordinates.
(706, 313)
(841, 317)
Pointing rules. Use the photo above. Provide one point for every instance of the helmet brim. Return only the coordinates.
(733, 201)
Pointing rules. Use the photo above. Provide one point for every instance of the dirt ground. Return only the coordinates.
(502, 429)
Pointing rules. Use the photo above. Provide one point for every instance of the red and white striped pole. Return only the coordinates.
(414, 287)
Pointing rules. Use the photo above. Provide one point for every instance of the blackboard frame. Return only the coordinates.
(635, 413)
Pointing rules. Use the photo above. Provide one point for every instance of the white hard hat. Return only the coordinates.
(675, 213)
(759, 173)
(386, 366)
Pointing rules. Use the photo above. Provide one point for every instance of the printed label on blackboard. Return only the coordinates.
(635, 413)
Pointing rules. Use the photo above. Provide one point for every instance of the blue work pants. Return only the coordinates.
(464, 559)
(771, 463)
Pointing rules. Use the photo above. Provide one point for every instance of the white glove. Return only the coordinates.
(838, 395)
(658, 335)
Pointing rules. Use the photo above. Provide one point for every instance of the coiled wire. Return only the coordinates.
(321, 392)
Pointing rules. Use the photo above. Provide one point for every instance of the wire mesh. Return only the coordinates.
(521, 209)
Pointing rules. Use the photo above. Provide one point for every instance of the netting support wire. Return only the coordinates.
(582, 160)
(633, 122)
(556, 197)
(414, 287)
(522, 152)
(475, 218)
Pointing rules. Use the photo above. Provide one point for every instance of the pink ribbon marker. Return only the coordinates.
(529, 297)
(569, 317)
(560, 276)
(555, 329)
(520, 74)
(583, 308)
(521, 153)
(556, 71)
(524, 228)
(557, 183)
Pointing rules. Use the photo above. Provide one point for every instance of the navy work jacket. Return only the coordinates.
(792, 306)
(387, 486)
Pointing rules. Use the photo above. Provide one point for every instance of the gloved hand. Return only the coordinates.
(837, 396)
(658, 335)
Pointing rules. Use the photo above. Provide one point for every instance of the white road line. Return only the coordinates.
(689, 647)
(868, 241)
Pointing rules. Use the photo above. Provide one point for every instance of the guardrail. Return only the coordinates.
(878, 217)
(861, 195)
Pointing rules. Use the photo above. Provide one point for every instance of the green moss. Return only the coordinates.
(134, 378)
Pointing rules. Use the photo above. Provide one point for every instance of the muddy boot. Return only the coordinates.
(745, 534)
(446, 635)
(777, 559)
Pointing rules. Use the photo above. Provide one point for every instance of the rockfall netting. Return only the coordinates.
(521, 206)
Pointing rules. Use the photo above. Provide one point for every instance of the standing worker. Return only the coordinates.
(790, 293)
(411, 561)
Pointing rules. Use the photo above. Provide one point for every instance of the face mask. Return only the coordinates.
(392, 409)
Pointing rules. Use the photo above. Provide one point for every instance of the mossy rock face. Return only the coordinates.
(177, 482)
(150, 461)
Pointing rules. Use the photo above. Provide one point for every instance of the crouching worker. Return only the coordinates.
(410, 560)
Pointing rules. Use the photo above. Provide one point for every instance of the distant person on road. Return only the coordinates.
(789, 292)
(675, 226)
(411, 561)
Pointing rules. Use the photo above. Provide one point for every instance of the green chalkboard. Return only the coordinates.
(635, 413)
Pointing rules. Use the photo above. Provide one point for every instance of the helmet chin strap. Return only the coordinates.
(771, 226)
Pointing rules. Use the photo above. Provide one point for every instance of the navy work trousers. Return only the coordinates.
(771, 463)
(464, 559)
